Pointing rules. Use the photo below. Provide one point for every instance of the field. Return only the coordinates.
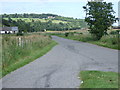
(111, 40)
(20, 50)
(99, 79)
(37, 19)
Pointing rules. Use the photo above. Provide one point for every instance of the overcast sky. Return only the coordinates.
(68, 8)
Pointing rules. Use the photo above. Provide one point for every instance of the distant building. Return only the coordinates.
(8, 30)
(119, 13)
(51, 17)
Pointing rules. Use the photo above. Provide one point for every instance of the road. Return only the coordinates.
(60, 67)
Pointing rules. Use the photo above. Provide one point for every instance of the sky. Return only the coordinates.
(67, 8)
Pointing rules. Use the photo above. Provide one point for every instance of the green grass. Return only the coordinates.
(109, 41)
(99, 79)
(37, 19)
(16, 55)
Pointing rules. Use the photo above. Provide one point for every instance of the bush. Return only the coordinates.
(110, 39)
(81, 33)
(19, 34)
(114, 32)
(114, 40)
(86, 38)
(66, 34)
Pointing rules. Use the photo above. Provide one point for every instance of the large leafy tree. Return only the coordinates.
(99, 16)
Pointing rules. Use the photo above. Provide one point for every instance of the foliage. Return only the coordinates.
(26, 15)
(66, 34)
(16, 48)
(115, 32)
(99, 16)
(110, 41)
(5, 22)
(20, 34)
(37, 25)
(40, 22)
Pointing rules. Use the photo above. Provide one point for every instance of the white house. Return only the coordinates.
(8, 30)
(51, 17)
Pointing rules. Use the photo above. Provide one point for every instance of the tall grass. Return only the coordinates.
(16, 48)
(110, 41)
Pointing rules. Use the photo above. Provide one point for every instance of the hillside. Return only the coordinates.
(36, 19)
(40, 22)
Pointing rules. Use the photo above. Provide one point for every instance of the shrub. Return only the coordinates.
(114, 32)
(81, 33)
(114, 40)
(20, 34)
(66, 34)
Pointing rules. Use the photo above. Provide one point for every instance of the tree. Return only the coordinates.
(5, 22)
(10, 21)
(99, 17)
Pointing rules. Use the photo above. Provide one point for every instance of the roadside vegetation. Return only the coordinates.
(111, 40)
(99, 17)
(20, 50)
(99, 79)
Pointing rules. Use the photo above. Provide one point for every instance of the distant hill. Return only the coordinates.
(25, 15)
(39, 22)
(40, 16)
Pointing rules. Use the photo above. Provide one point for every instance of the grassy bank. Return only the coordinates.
(98, 79)
(110, 41)
(21, 50)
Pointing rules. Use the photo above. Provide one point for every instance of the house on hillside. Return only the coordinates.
(51, 17)
(8, 30)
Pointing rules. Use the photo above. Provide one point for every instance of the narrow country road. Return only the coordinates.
(60, 67)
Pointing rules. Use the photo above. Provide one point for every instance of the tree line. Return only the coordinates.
(41, 16)
(36, 26)
(26, 15)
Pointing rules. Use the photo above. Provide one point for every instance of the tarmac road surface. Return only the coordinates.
(60, 67)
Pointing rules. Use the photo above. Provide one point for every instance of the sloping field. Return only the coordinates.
(37, 19)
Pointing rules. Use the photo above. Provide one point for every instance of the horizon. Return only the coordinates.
(73, 9)
(39, 13)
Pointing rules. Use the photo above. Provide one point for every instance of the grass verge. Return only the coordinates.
(110, 41)
(99, 79)
(34, 55)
